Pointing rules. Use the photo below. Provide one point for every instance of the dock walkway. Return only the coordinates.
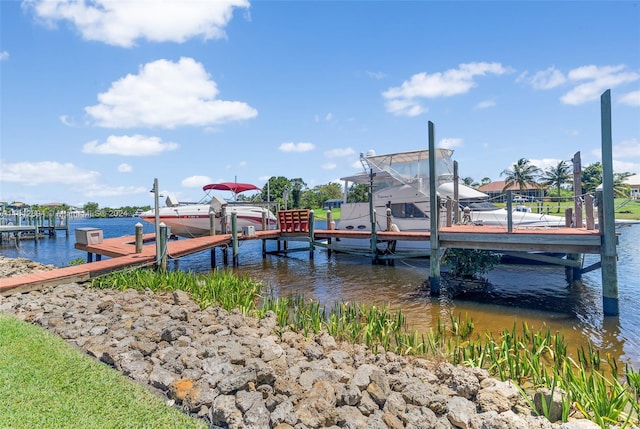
(121, 251)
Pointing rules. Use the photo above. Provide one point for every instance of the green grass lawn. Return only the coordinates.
(45, 383)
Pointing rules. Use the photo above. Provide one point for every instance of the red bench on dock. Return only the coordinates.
(294, 220)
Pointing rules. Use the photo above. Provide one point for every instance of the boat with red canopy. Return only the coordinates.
(192, 220)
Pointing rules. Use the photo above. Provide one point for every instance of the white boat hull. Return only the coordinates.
(193, 220)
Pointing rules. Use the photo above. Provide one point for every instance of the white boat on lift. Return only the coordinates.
(400, 182)
(192, 219)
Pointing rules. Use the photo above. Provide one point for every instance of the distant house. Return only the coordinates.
(496, 191)
(332, 204)
(634, 183)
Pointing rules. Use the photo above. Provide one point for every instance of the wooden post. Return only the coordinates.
(608, 254)
(330, 228)
(449, 204)
(162, 257)
(456, 193)
(223, 229)
(311, 234)
(212, 232)
(372, 218)
(434, 261)
(264, 228)
(568, 217)
(577, 190)
(588, 204)
(509, 211)
(138, 237)
(212, 223)
(156, 206)
(234, 237)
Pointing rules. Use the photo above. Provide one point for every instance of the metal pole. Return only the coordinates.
(509, 212)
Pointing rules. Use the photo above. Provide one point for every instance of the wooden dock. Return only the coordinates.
(121, 251)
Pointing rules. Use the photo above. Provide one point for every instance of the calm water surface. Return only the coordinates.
(537, 295)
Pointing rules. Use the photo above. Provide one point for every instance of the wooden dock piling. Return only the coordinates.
(608, 256)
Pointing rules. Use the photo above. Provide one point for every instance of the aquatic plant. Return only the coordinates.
(530, 358)
(470, 263)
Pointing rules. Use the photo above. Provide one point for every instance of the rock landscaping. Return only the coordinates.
(234, 371)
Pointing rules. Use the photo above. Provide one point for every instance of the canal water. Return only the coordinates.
(535, 294)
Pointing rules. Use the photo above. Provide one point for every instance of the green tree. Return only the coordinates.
(358, 193)
(297, 186)
(315, 198)
(485, 181)
(91, 208)
(521, 174)
(557, 176)
(468, 181)
(592, 178)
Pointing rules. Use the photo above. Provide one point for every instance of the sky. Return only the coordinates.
(98, 98)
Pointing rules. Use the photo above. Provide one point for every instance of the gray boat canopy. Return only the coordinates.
(412, 169)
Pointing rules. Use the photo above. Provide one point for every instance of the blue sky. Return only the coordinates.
(99, 98)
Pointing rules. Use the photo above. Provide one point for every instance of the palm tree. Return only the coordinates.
(468, 181)
(592, 178)
(557, 176)
(522, 173)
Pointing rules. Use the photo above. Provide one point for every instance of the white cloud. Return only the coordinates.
(97, 190)
(485, 104)
(545, 79)
(401, 100)
(296, 147)
(125, 168)
(136, 145)
(166, 94)
(624, 166)
(46, 172)
(329, 166)
(631, 98)
(328, 116)
(450, 143)
(66, 120)
(121, 23)
(545, 163)
(338, 153)
(627, 149)
(4, 55)
(598, 80)
(409, 108)
(376, 75)
(196, 181)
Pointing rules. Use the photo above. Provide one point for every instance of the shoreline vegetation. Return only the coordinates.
(555, 382)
